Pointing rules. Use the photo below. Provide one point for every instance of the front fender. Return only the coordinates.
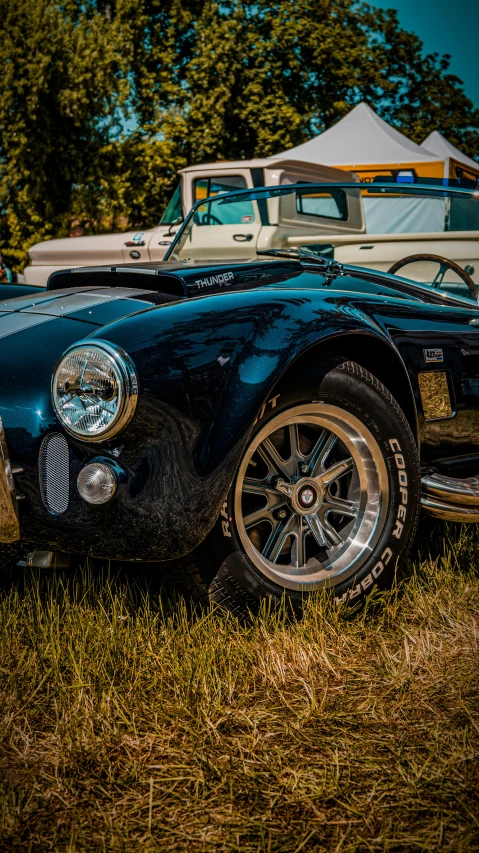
(221, 356)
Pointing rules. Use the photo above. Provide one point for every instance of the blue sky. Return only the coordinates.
(445, 26)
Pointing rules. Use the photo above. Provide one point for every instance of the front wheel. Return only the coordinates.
(326, 495)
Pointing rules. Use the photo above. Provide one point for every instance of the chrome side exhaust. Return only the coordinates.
(449, 498)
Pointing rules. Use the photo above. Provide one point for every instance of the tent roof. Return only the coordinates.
(437, 144)
(360, 138)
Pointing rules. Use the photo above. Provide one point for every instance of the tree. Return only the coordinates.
(268, 74)
(60, 105)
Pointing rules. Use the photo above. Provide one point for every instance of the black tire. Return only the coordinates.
(374, 439)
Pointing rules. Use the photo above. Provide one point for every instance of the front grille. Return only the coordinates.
(54, 473)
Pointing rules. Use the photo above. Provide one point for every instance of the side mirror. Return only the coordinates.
(170, 233)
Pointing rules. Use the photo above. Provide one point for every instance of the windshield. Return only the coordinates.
(427, 232)
(173, 210)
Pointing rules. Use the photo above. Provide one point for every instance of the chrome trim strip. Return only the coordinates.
(9, 524)
(452, 490)
(116, 269)
(448, 511)
(450, 498)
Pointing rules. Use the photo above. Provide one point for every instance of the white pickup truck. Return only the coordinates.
(196, 182)
(371, 231)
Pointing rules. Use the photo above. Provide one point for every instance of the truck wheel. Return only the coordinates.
(326, 496)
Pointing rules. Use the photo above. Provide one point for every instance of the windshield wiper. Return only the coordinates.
(330, 269)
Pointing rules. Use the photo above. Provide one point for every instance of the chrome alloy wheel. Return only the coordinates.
(311, 497)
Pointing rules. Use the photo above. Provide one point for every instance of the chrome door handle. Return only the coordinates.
(242, 238)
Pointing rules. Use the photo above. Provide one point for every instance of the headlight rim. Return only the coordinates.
(130, 386)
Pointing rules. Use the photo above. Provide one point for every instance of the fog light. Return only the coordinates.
(96, 483)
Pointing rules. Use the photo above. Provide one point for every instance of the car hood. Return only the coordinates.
(91, 305)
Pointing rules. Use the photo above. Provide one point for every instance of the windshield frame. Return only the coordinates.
(439, 189)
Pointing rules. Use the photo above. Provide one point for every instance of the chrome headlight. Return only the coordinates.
(94, 390)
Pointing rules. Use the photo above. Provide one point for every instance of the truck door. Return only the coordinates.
(225, 231)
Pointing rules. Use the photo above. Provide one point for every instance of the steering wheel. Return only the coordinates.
(444, 265)
(210, 219)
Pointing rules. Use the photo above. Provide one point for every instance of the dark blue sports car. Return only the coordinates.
(267, 425)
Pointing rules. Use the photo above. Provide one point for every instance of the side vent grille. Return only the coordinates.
(435, 396)
(54, 473)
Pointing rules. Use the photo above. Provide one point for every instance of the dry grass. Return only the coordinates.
(127, 725)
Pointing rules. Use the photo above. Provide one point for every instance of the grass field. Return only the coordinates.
(128, 724)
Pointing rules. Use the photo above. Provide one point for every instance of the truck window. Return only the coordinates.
(328, 205)
(173, 209)
(205, 187)
(239, 213)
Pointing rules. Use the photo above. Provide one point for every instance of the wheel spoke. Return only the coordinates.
(439, 277)
(255, 517)
(336, 471)
(285, 488)
(257, 487)
(272, 459)
(340, 506)
(276, 539)
(297, 551)
(262, 514)
(331, 534)
(294, 441)
(320, 452)
(316, 529)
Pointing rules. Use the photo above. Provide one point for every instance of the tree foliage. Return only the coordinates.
(101, 101)
(59, 109)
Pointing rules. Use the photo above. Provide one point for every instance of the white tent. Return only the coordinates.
(363, 141)
(365, 144)
(452, 156)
